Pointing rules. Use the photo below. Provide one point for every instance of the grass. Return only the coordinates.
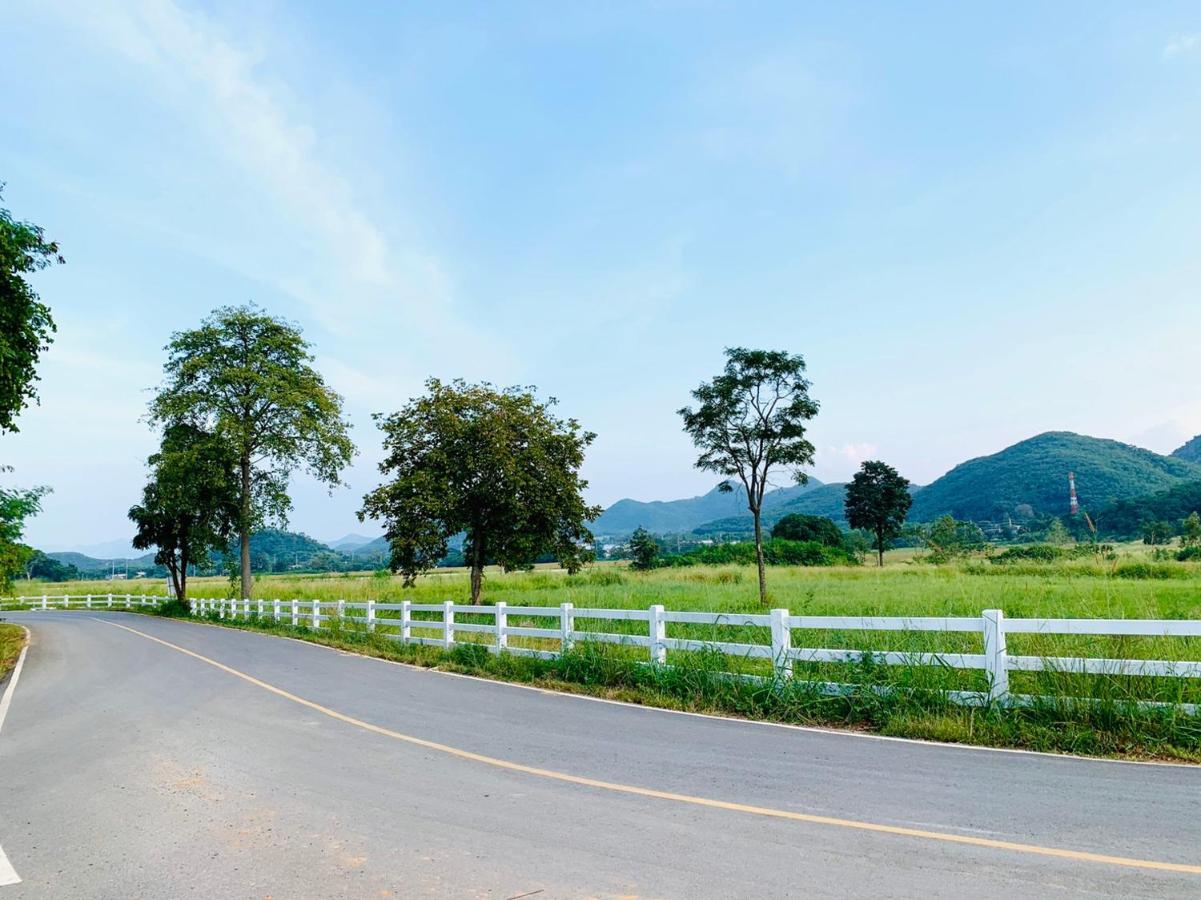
(12, 639)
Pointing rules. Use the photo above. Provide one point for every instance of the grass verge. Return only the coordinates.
(12, 639)
(697, 682)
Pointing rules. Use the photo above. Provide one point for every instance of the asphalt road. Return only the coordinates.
(129, 768)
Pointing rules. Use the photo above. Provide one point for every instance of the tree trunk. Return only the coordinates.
(880, 548)
(759, 557)
(181, 582)
(244, 528)
(477, 572)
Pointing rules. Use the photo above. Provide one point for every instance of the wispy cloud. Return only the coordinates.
(1182, 44)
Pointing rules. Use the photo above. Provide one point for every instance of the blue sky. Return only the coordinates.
(975, 223)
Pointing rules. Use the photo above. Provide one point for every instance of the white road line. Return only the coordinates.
(8, 875)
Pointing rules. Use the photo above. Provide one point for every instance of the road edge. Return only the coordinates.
(8, 875)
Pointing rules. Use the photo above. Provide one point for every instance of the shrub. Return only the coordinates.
(800, 527)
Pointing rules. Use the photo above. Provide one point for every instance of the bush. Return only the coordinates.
(817, 529)
(1190, 554)
(776, 552)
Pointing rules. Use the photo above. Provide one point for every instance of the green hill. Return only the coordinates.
(681, 516)
(1031, 477)
(1191, 451)
(827, 500)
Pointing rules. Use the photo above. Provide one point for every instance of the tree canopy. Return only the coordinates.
(878, 500)
(495, 464)
(247, 377)
(190, 506)
(16, 505)
(26, 325)
(750, 420)
(803, 527)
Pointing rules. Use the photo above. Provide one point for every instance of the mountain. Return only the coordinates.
(1190, 452)
(677, 516)
(1034, 473)
(118, 549)
(350, 542)
(826, 500)
(91, 564)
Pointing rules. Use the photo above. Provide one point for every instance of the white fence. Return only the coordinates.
(435, 624)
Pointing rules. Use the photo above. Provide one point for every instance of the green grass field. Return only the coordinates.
(12, 639)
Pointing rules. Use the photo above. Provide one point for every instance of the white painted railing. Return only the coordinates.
(436, 624)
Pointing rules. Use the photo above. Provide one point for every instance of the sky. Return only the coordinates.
(975, 223)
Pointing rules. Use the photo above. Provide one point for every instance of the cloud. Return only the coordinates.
(1182, 44)
(852, 453)
(348, 262)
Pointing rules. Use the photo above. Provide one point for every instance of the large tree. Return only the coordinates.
(751, 420)
(189, 506)
(25, 323)
(878, 500)
(248, 378)
(496, 464)
(16, 506)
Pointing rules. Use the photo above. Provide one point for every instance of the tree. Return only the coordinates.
(801, 527)
(248, 378)
(16, 506)
(493, 463)
(1157, 533)
(749, 420)
(947, 538)
(25, 322)
(1057, 533)
(878, 500)
(45, 568)
(644, 550)
(190, 505)
(1190, 531)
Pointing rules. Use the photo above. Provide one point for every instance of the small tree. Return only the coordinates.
(1058, 534)
(947, 538)
(750, 420)
(190, 506)
(25, 323)
(248, 378)
(495, 464)
(801, 527)
(1190, 531)
(644, 550)
(878, 500)
(16, 505)
(1157, 533)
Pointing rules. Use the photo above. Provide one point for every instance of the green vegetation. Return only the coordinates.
(247, 377)
(496, 465)
(25, 322)
(644, 551)
(704, 512)
(16, 506)
(877, 501)
(1129, 518)
(775, 551)
(750, 420)
(800, 527)
(189, 508)
(12, 639)
(1190, 451)
(1031, 478)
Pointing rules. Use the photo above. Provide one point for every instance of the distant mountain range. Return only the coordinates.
(1029, 478)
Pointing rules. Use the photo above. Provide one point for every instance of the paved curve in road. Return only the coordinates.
(220, 763)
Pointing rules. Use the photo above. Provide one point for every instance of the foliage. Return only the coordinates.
(1157, 533)
(800, 527)
(1057, 533)
(644, 550)
(495, 464)
(16, 505)
(776, 552)
(1125, 518)
(750, 420)
(1190, 530)
(947, 539)
(26, 325)
(1190, 451)
(1047, 553)
(878, 500)
(41, 567)
(248, 378)
(190, 506)
(1034, 474)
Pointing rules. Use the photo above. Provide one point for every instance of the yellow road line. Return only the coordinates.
(942, 836)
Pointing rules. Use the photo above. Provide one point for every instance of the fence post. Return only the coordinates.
(448, 624)
(502, 626)
(110, 601)
(295, 612)
(371, 615)
(658, 634)
(275, 610)
(406, 621)
(45, 600)
(316, 614)
(127, 604)
(995, 653)
(88, 601)
(566, 626)
(781, 644)
(341, 610)
(246, 608)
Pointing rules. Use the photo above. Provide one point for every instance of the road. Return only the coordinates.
(178, 759)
